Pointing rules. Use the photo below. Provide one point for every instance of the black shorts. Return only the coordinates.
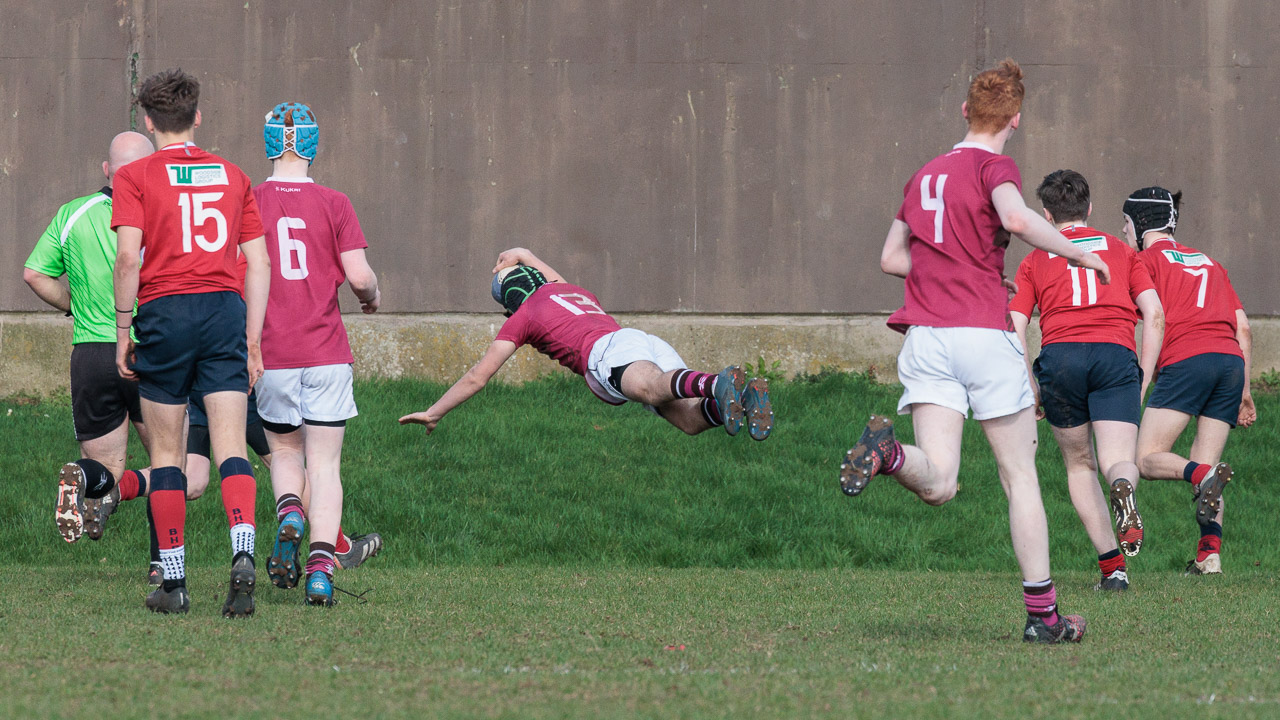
(1209, 385)
(1085, 382)
(191, 344)
(100, 398)
(198, 430)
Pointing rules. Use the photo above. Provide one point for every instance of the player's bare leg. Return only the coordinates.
(323, 461)
(1206, 450)
(693, 401)
(291, 490)
(1013, 440)
(931, 467)
(1082, 481)
(1159, 431)
(227, 413)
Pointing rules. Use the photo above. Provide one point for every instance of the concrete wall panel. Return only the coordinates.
(726, 156)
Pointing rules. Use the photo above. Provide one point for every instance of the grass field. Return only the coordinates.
(545, 550)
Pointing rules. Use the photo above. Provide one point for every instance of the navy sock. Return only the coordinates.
(98, 480)
(1212, 528)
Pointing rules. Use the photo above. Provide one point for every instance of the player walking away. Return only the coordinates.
(566, 323)
(947, 241)
(1087, 377)
(305, 397)
(80, 244)
(190, 210)
(1203, 370)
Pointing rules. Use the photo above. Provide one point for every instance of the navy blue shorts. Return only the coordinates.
(1085, 382)
(191, 344)
(1209, 385)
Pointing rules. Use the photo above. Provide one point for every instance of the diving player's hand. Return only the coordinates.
(126, 358)
(1248, 412)
(421, 418)
(1093, 262)
(255, 364)
(507, 258)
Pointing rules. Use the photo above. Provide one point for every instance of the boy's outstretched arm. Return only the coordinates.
(469, 384)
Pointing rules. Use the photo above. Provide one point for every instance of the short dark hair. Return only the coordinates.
(1065, 194)
(169, 99)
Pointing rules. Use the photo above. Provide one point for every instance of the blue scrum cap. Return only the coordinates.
(291, 126)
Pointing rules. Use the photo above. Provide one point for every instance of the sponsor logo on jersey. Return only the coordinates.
(197, 175)
(1094, 244)
(1188, 259)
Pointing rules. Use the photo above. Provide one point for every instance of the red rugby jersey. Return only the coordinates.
(1199, 303)
(1074, 306)
(194, 210)
(956, 265)
(561, 321)
(308, 226)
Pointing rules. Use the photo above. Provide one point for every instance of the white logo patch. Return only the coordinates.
(197, 175)
(1089, 244)
(1188, 259)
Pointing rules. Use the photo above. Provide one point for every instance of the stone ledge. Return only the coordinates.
(35, 347)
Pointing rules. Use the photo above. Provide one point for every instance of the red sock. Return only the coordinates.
(1111, 564)
(344, 543)
(1198, 474)
(130, 485)
(238, 493)
(1209, 544)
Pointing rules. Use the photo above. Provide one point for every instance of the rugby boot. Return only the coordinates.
(1117, 581)
(866, 458)
(320, 589)
(728, 391)
(1128, 521)
(282, 567)
(155, 574)
(96, 512)
(69, 511)
(175, 601)
(363, 547)
(1209, 493)
(758, 409)
(1069, 628)
(240, 596)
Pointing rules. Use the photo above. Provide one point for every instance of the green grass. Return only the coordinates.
(543, 549)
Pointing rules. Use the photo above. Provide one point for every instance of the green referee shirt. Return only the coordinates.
(81, 244)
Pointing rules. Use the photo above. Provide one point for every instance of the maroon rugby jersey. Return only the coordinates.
(956, 264)
(308, 227)
(1199, 302)
(1074, 306)
(561, 321)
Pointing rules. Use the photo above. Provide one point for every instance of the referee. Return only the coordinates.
(80, 244)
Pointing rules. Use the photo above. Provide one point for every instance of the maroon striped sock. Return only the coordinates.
(288, 503)
(711, 412)
(1042, 600)
(691, 383)
(321, 558)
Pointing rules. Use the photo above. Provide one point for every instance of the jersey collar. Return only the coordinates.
(273, 178)
(1163, 239)
(973, 146)
(106, 190)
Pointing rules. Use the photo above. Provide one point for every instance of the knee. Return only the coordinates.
(940, 495)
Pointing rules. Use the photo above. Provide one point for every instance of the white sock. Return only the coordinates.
(242, 538)
(174, 562)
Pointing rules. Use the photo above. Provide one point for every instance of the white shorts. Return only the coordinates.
(291, 395)
(961, 367)
(624, 347)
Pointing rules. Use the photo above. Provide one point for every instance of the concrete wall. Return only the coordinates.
(715, 156)
(35, 348)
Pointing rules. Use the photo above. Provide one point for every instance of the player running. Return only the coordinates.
(190, 210)
(960, 352)
(80, 244)
(1088, 377)
(305, 397)
(1203, 370)
(566, 323)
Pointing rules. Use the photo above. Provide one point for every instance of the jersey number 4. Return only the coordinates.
(932, 202)
(195, 215)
